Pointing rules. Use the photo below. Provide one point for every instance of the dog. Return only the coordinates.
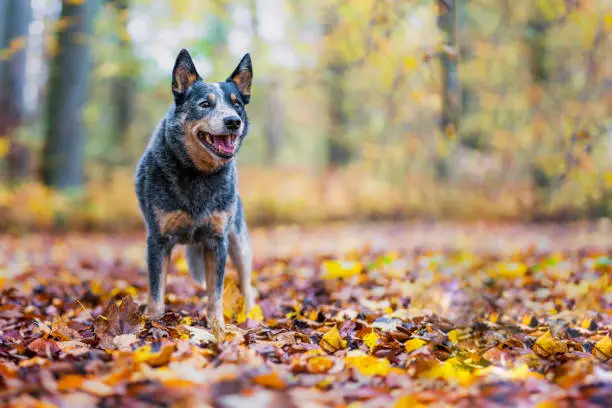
(187, 189)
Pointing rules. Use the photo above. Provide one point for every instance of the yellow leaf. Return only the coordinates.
(414, 344)
(331, 341)
(408, 401)
(508, 270)
(368, 365)
(270, 380)
(453, 336)
(4, 146)
(453, 371)
(340, 269)
(255, 314)
(603, 348)
(371, 339)
(181, 266)
(145, 354)
(319, 364)
(186, 321)
(546, 346)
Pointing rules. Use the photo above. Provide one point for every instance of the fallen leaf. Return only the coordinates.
(255, 314)
(117, 320)
(154, 355)
(331, 341)
(414, 344)
(368, 365)
(61, 331)
(546, 346)
(319, 364)
(340, 269)
(603, 348)
(200, 336)
(371, 339)
(270, 380)
(124, 341)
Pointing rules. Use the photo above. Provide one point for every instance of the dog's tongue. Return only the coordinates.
(223, 143)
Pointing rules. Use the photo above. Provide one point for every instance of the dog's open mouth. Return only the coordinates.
(221, 145)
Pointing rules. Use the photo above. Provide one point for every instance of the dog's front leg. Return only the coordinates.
(158, 260)
(214, 260)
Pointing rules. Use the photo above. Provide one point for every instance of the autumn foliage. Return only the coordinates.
(371, 328)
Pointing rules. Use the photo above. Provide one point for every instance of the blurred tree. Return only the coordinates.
(123, 86)
(275, 120)
(338, 152)
(15, 18)
(447, 21)
(62, 164)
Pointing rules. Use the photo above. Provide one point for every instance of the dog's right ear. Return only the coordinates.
(184, 75)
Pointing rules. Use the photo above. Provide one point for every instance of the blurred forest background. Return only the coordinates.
(361, 109)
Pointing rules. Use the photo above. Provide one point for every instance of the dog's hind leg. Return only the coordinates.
(242, 258)
(195, 262)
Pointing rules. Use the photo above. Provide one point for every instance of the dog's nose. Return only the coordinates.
(232, 122)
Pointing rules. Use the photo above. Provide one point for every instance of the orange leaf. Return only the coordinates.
(270, 380)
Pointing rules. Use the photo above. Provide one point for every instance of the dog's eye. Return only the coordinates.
(237, 106)
(205, 104)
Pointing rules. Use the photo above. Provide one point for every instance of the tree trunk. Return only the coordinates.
(17, 15)
(447, 21)
(275, 121)
(338, 153)
(67, 96)
(124, 87)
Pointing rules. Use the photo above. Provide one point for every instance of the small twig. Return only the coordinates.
(84, 308)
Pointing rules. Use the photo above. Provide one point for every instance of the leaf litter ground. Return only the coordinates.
(377, 326)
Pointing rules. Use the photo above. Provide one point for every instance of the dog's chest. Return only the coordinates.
(181, 226)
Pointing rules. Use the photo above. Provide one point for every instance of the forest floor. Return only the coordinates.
(348, 316)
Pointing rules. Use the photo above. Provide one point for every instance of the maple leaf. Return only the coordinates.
(118, 320)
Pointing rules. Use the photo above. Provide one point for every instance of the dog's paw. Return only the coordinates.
(154, 312)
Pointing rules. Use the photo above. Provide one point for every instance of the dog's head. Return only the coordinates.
(209, 119)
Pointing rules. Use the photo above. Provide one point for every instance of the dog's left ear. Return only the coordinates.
(242, 77)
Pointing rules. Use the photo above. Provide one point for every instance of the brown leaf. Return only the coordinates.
(61, 331)
(44, 347)
(117, 320)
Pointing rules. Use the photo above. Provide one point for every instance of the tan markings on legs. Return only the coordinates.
(156, 307)
(172, 221)
(201, 157)
(215, 299)
(218, 220)
(240, 254)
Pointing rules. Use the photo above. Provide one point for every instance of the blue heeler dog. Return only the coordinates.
(186, 185)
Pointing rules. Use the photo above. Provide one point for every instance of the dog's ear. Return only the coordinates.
(184, 75)
(242, 77)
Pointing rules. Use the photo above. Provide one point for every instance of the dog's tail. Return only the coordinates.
(195, 263)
